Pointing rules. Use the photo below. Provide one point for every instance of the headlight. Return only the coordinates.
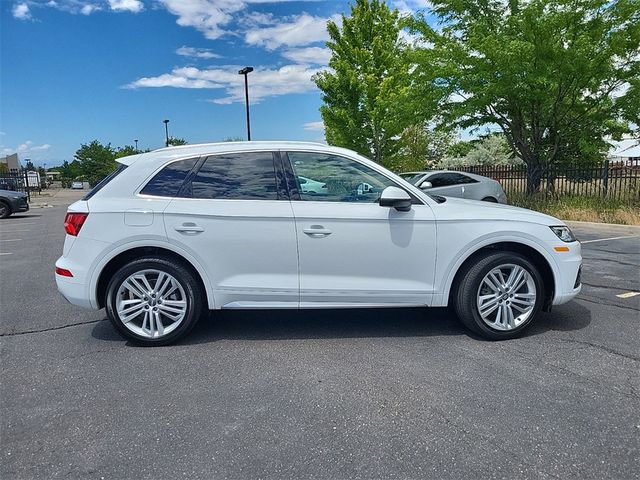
(564, 233)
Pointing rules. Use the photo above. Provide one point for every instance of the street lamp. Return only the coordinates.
(136, 140)
(166, 132)
(246, 71)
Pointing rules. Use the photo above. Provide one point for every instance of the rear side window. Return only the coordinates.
(237, 176)
(100, 185)
(167, 182)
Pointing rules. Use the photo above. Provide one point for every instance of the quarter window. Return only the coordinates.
(167, 182)
(238, 176)
(330, 178)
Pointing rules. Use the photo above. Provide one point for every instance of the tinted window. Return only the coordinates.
(412, 177)
(330, 178)
(167, 182)
(240, 176)
(466, 179)
(104, 181)
(442, 179)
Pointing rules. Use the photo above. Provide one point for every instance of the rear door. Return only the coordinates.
(233, 214)
(445, 183)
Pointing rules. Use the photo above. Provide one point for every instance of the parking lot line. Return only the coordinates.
(627, 294)
(6, 253)
(610, 238)
(11, 240)
(11, 231)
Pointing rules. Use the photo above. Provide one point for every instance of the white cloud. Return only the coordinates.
(21, 11)
(196, 52)
(298, 30)
(310, 55)
(27, 149)
(89, 8)
(207, 16)
(314, 126)
(411, 6)
(133, 6)
(263, 82)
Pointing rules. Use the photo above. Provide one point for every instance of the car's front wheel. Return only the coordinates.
(499, 295)
(5, 209)
(154, 301)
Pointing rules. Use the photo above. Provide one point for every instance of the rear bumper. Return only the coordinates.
(73, 289)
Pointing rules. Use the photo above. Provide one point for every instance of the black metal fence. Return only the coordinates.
(17, 181)
(611, 180)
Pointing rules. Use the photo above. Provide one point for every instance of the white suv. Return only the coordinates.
(179, 231)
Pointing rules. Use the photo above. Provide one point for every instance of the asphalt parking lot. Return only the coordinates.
(396, 393)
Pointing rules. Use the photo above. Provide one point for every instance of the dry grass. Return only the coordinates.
(584, 209)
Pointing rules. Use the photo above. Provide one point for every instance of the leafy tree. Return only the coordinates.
(420, 148)
(126, 151)
(551, 74)
(232, 139)
(492, 150)
(96, 161)
(366, 90)
(173, 141)
(4, 168)
(461, 148)
(30, 166)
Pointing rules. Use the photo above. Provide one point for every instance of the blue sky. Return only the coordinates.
(77, 70)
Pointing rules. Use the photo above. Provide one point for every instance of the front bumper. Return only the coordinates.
(19, 204)
(568, 283)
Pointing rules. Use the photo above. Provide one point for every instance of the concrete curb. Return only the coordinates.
(618, 225)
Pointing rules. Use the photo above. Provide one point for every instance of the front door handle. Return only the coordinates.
(188, 227)
(317, 231)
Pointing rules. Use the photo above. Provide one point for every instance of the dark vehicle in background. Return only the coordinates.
(12, 202)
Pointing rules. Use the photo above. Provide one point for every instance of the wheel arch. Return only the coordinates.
(122, 257)
(533, 254)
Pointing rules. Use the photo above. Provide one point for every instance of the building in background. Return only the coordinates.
(626, 151)
(11, 161)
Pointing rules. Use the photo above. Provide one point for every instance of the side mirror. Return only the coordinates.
(397, 198)
(425, 185)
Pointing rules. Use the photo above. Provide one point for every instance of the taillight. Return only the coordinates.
(63, 272)
(73, 223)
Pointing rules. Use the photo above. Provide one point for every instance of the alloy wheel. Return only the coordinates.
(151, 303)
(506, 297)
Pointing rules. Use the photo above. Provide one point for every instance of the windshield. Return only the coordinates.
(412, 177)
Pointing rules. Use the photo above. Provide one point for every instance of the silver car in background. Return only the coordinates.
(457, 184)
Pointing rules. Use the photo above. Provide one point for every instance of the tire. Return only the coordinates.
(5, 209)
(490, 200)
(472, 290)
(130, 307)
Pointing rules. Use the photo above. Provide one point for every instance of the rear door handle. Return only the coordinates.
(317, 231)
(188, 227)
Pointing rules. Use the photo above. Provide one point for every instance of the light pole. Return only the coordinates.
(136, 140)
(246, 71)
(166, 132)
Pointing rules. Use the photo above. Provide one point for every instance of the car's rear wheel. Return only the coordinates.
(154, 301)
(498, 295)
(5, 209)
(490, 200)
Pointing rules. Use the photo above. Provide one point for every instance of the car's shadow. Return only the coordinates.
(30, 215)
(348, 323)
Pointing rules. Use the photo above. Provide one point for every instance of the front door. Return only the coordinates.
(352, 251)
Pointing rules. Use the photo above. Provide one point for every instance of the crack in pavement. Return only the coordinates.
(600, 347)
(27, 332)
(600, 302)
(609, 287)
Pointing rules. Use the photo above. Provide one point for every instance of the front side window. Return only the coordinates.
(167, 182)
(236, 176)
(331, 178)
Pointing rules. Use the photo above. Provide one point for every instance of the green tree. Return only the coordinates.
(173, 141)
(30, 166)
(4, 168)
(96, 161)
(551, 74)
(492, 150)
(126, 151)
(366, 91)
(420, 148)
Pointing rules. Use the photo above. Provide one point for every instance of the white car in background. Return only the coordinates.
(180, 231)
(458, 184)
(77, 185)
